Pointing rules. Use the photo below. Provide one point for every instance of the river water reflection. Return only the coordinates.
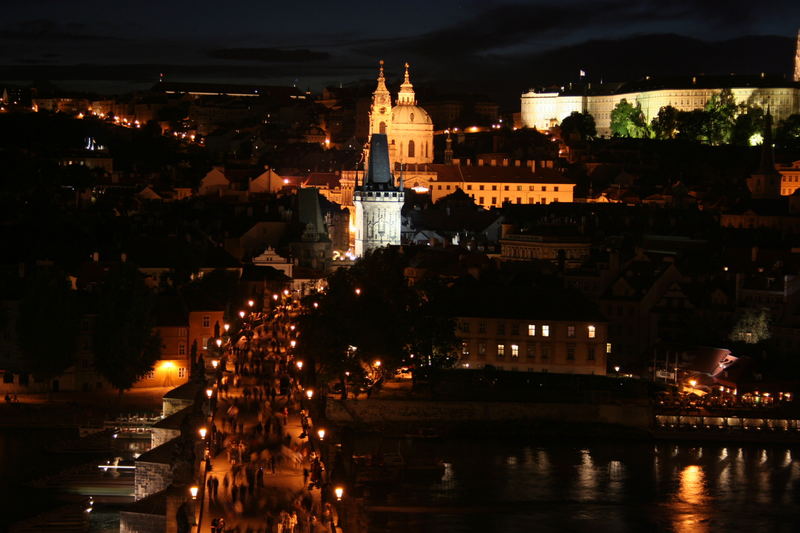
(611, 487)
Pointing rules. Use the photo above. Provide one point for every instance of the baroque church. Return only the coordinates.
(399, 135)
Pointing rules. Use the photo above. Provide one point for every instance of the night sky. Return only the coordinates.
(465, 46)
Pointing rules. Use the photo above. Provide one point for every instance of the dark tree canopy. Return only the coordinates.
(628, 120)
(125, 343)
(48, 323)
(578, 126)
(666, 124)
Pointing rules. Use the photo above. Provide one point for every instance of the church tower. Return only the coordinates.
(411, 134)
(765, 182)
(380, 114)
(796, 76)
(378, 201)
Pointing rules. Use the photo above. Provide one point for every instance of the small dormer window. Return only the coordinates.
(411, 117)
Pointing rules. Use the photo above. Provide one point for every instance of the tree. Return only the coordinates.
(752, 327)
(666, 124)
(48, 324)
(125, 344)
(748, 127)
(578, 126)
(693, 125)
(628, 120)
(721, 109)
(788, 132)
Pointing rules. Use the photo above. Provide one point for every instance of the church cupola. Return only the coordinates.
(406, 95)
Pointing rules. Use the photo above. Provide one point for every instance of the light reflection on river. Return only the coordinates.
(493, 486)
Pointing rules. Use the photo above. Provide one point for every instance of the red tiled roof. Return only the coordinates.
(322, 179)
(459, 173)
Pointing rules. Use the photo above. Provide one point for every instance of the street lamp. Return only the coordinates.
(286, 292)
(202, 431)
(226, 327)
(377, 363)
(292, 327)
(358, 292)
(214, 363)
(293, 343)
(193, 491)
(219, 342)
(339, 491)
(299, 365)
(616, 369)
(693, 382)
(321, 433)
(209, 393)
(275, 297)
(309, 393)
(241, 314)
(250, 303)
(316, 305)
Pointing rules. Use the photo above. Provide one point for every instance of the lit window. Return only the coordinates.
(501, 351)
(570, 331)
(545, 330)
(592, 332)
(608, 347)
(515, 351)
(531, 330)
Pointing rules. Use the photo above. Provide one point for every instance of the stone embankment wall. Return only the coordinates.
(151, 478)
(387, 412)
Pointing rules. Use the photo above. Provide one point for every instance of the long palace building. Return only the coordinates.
(544, 109)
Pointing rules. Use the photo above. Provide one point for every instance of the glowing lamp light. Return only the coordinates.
(219, 342)
(193, 491)
(377, 363)
(226, 327)
(299, 365)
(241, 314)
(167, 364)
(214, 363)
(274, 296)
(358, 292)
(316, 305)
(250, 303)
(203, 432)
(693, 382)
(339, 491)
(285, 181)
(286, 292)
(292, 327)
(293, 343)
(209, 393)
(321, 433)
(616, 369)
(309, 393)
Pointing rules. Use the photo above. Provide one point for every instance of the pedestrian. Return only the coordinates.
(210, 487)
(305, 476)
(215, 487)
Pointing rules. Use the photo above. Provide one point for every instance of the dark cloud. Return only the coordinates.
(49, 30)
(549, 25)
(269, 54)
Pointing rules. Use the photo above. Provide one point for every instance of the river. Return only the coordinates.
(625, 486)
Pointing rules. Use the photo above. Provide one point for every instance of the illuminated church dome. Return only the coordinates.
(411, 132)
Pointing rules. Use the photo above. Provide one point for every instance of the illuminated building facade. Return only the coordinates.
(533, 345)
(543, 110)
